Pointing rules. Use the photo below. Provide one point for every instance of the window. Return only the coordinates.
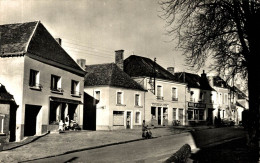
(159, 92)
(137, 117)
(137, 100)
(190, 114)
(198, 114)
(226, 98)
(119, 98)
(75, 88)
(191, 96)
(153, 114)
(220, 98)
(211, 100)
(174, 94)
(97, 95)
(118, 118)
(2, 117)
(56, 83)
(34, 79)
(174, 113)
(201, 96)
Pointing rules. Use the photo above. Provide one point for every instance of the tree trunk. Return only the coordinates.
(254, 99)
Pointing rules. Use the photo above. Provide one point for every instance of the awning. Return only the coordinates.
(57, 99)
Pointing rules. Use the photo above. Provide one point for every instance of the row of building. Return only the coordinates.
(41, 84)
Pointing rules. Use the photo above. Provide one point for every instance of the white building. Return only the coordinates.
(46, 82)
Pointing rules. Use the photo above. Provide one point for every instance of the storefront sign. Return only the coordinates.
(196, 105)
(159, 104)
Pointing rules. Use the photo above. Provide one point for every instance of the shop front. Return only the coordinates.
(60, 108)
(159, 114)
(196, 113)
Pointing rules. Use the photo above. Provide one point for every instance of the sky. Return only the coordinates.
(94, 29)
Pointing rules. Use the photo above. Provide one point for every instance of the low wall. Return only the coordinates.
(181, 155)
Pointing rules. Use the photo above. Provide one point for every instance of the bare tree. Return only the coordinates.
(226, 31)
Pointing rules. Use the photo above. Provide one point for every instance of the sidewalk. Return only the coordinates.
(57, 144)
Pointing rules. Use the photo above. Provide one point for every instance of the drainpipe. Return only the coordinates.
(144, 106)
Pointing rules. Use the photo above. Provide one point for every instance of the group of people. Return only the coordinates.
(69, 124)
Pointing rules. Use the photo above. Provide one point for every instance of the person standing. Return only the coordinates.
(143, 128)
(67, 121)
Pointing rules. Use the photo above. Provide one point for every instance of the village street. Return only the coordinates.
(152, 150)
(91, 146)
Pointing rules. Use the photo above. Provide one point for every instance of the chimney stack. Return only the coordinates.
(171, 70)
(204, 75)
(81, 63)
(58, 41)
(119, 59)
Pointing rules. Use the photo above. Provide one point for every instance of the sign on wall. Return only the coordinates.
(160, 104)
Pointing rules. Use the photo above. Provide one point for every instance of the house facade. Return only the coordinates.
(47, 84)
(7, 116)
(165, 99)
(115, 100)
(200, 98)
(230, 101)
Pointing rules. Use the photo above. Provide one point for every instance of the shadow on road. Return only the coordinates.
(233, 151)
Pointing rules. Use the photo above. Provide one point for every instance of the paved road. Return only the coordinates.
(152, 150)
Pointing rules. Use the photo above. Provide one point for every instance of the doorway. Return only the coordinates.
(181, 116)
(210, 116)
(30, 122)
(128, 120)
(159, 115)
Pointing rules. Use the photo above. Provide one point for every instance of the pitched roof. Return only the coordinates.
(194, 80)
(136, 66)
(4, 95)
(33, 37)
(109, 75)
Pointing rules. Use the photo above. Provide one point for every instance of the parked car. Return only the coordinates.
(227, 122)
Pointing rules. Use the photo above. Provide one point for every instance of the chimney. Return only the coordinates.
(203, 75)
(119, 59)
(81, 63)
(171, 70)
(58, 41)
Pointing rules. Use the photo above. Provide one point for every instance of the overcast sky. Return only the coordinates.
(94, 29)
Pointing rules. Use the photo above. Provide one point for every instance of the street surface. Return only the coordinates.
(152, 150)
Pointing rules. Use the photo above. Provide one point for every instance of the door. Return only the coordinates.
(128, 120)
(159, 115)
(210, 116)
(181, 116)
(30, 122)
